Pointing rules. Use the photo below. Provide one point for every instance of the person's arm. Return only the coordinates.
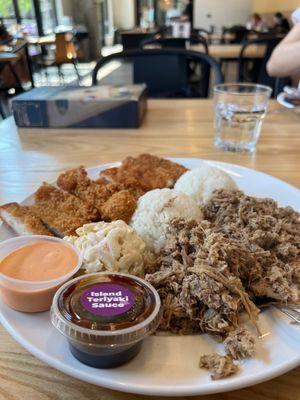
(285, 59)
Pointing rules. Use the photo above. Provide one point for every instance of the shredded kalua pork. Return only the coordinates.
(246, 249)
(219, 366)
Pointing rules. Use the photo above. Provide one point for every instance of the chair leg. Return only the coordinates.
(46, 75)
(60, 74)
(74, 62)
(4, 109)
(3, 116)
(18, 81)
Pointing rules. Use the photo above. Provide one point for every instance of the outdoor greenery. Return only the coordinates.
(7, 8)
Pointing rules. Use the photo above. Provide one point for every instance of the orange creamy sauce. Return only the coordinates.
(39, 261)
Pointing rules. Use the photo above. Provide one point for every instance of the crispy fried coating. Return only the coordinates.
(144, 173)
(23, 220)
(60, 211)
(76, 182)
(120, 205)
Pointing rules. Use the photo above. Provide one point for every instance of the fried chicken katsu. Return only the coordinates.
(60, 211)
(77, 182)
(23, 220)
(144, 173)
(80, 200)
(110, 201)
(120, 205)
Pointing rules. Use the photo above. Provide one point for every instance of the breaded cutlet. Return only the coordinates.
(145, 172)
(60, 211)
(77, 182)
(120, 205)
(22, 220)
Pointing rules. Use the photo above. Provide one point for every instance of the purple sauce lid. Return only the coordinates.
(106, 309)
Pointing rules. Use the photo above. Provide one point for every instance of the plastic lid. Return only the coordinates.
(106, 309)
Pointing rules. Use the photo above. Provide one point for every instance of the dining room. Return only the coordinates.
(149, 199)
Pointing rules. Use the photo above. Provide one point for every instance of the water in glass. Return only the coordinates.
(237, 129)
(239, 112)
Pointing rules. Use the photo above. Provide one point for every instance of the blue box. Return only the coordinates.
(81, 107)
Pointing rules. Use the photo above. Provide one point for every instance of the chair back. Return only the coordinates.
(239, 33)
(258, 72)
(165, 71)
(65, 51)
(23, 66)
(133, 40)
(202, 34)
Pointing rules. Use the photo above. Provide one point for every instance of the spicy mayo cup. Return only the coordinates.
(32, 268)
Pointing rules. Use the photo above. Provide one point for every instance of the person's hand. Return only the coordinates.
(296, 16)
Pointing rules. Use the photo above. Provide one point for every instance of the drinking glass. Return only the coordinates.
(239, 110)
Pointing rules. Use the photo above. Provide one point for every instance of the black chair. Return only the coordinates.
(132, 40)
(194, 69)
(255, 70)
(165, 71)
(202, 34)
(239, 33)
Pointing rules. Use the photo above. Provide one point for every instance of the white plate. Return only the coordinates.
(168, 365)
(281, 100)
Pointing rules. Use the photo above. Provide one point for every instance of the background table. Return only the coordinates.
(231, 50)
(41, 40)
(177, 128)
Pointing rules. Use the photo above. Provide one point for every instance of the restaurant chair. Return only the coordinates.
(65, 53)
(255, 70)
(239, 33)
(15, 71)
(233, 35)
(132, 40)
(202, 33)
(194, 71)
(166, 72)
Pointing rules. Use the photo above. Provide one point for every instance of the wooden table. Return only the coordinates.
(6, 49)
(231, 50)
(177, 128)
(41, 40)
(7, 57)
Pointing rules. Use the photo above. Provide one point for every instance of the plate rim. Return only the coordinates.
(281, 100)
(212, 387)
(158, 390)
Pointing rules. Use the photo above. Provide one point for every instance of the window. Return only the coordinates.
(27, 17)
(35, 16)
(48, 15)
(146, 13)
(7, 14)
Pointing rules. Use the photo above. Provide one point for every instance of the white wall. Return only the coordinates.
(124, 14)
(223, 12)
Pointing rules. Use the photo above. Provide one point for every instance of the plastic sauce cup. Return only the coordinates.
(31, 296)
(106, 316)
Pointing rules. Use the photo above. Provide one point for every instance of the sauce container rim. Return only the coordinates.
(141, 325)
(41, 238)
